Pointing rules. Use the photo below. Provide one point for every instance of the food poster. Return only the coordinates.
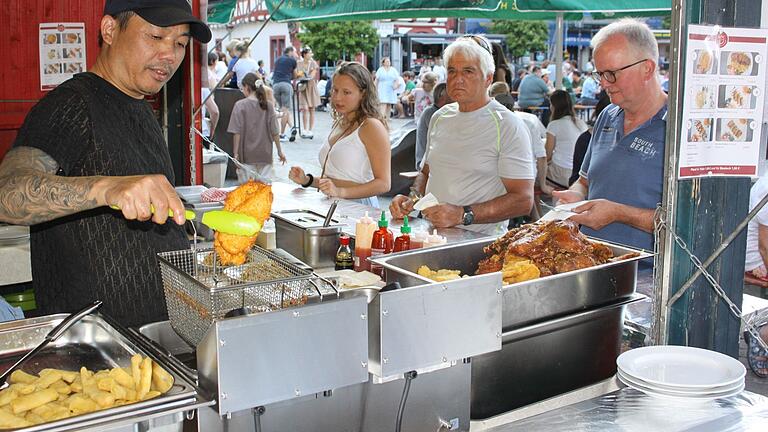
(723, 103)
(62, 52)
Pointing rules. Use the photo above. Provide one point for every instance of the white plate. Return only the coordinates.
(731, 62)
(712, 391)
(13, 234)
(698, 66)
(681, 366)
(692, 397)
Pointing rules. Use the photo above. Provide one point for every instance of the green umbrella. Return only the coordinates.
(339, 10)
(221, 12)
(571, 10)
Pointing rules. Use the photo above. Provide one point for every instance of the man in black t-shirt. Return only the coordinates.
(282, 78)
(94, 142)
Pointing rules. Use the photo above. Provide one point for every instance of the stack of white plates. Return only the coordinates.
(678, 372)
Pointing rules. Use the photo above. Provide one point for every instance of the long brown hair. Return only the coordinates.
(369, 104)
(561, 105)
(255, 86)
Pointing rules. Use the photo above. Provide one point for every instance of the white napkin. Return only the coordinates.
(426, 202)
(349, 279)
(561, 212)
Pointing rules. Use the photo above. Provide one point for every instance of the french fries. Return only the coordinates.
(57, 394)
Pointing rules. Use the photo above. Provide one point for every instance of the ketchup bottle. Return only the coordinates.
(403, 242)
(382, 243)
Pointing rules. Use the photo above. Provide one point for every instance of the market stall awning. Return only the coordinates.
(571, 10)
(333, 10)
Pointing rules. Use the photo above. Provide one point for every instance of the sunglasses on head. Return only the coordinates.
(483, 42)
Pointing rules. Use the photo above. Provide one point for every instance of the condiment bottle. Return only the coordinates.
(403, 241)
(434, 239)
(266, 238)
(344, 259)
(363, 237)
(381, 244)
(417, 239)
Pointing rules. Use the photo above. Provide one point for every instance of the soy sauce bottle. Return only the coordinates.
(344, 259)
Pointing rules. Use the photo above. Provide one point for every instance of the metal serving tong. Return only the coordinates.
(52, 335)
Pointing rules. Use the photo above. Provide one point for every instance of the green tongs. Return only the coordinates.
(222, 221)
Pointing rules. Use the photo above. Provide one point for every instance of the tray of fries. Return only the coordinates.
(95, 377)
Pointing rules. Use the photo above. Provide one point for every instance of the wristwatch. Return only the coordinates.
(469, 216)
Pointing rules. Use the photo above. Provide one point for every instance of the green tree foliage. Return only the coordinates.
(332, 41)
(522, 36)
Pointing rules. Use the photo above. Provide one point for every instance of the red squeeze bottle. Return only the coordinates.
(403, 242)
(382, 243)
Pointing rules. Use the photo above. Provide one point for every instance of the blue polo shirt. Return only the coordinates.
(628, 169)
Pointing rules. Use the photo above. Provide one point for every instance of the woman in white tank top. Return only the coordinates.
(355, 157)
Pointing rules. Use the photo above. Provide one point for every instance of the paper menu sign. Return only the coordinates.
(62, 52)
(723, 102)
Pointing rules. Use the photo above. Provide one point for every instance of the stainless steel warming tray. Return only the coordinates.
(530, 301)
(97, 343)
(302, 234)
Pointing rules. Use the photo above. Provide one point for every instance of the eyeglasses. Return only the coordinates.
(483, 42)
(610, 75)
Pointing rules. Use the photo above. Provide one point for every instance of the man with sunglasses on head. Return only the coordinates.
(623, 170)
(478, 162)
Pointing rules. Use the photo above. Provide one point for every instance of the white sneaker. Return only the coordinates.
(307, 134)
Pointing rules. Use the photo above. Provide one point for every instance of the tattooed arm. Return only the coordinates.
(32, 193)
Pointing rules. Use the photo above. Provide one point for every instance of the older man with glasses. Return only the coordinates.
(623, 170)
(478, 162)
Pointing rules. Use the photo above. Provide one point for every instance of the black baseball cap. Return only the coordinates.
(162, 13)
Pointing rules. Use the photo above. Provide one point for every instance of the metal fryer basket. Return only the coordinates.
(197, 293)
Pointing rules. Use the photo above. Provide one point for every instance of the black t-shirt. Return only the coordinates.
(579, 151)
(284, 67)
(91, 128)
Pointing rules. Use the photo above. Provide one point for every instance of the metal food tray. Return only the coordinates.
(198, 294)
(96, 343)
(530, 301)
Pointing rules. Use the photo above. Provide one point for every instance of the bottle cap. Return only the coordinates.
(383, 222)
(344, 239)
(405, 229)
(366, 219)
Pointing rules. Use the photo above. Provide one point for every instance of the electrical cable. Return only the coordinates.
(409, 376)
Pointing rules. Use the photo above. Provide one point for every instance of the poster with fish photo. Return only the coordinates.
(723, 102)
(62, 52)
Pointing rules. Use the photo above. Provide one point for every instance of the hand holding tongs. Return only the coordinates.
(52, 335)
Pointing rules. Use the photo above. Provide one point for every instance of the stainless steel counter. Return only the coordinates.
(628, 410)
(294, 197)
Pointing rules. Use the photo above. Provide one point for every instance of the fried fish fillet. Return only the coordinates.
(253, 199)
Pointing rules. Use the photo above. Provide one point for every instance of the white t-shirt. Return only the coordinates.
(441, 72)
(566, 132)
(221, 70)
(538, 133)
(753, 259)
(468, 154)
(400, 87)
(206, 129)
(243, 67)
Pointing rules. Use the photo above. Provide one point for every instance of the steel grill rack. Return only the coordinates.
(198, 292)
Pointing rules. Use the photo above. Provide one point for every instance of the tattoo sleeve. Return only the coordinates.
(32, 193)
